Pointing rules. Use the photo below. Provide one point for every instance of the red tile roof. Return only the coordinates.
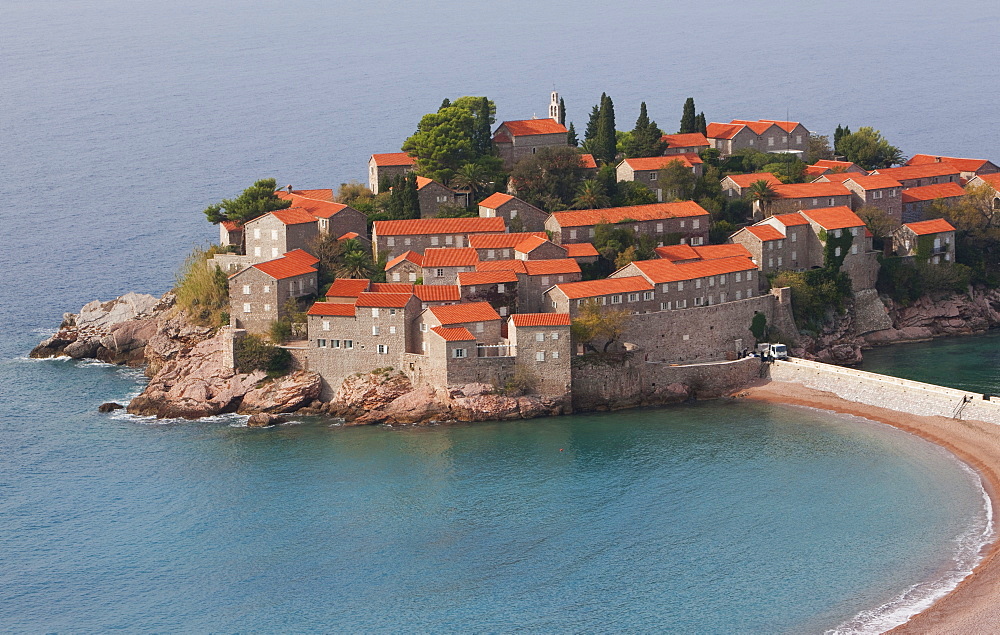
(874, 182)
(502, 137)
(787, 126)
(839, 217)
(464, 313)
(389, 159)
(411, 256)
(347, 288)
(746, 180)
(495, 200)
(837, 177)
(934, 226)
(965, 165)
(390, 287)
(931, 192)
(829, 163)
(722, 130)
(551, 267)
(660, 271)
(729, 250)
(517, 266)
(924, 171)
(992, 180)
(283, 267)
(318, 207)
(674, 253)
(815, 170)
(531, 243)
(319, 195)
(580, 250)
(687, 140)
(291, 216)
(455, 334)
(437, 292)
(526, 127)
(595, 288)
(349, 236)
(809, 190)
(471, 278)
(383, 300)
(759, 127)
(232, 226)
(302, 257)
(463, 257)
(502, 241)
(423, 182)
(655, 211)
(423, 226)
(540, 319)
(790, 220)
(765, 232)
(340, 309)
(588, 162)
(656, 163)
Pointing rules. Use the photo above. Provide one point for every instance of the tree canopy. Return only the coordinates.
(459, 133)
(677, 181)
(868, 149)
(645, 139)
(689, 118)
(549, 178)
(595, 325)
(600, 138)
(256, 200)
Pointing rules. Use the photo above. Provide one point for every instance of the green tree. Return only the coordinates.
(689, 120)
(758, 326)
(818, 148)
(549, 178)
(590, 195)
(202, 290)
(628, 193)
(458, 133)
(562, 111)
(403, 202)
(763, 195)
(256, 200)
(472, 177)
(605, 140)
(571, 136)
(869, 150)
(676, 181)
(595, 325)
(645, 140)
(701, 124)
(838, 135)
(595, 115)
(626, 257)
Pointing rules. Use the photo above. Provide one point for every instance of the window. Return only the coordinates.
(246, 289)
(590, 232)
(256, 251)
(770, 142)
(794, 256)
(682, 304)
(739, 295)
(491, 254)
(395, 276)
(854, 231)
(699, 301)
(349, 344)
(539, 337)
(326, 325)
(854, 249)
(479, 327)
(334, 343)
(770, 245)
(540, 356)
(739, 277)
(320, 343)
(375, 312)
(513, 214)
(749, 292)
(659, 228)
(722, 280)
(572, 234)
(406, 242)
(680, 285)
(256, 233)
(383, 349)
(423, 328)
(439, 273)
(554, 354)
(664, 306)
(836, 252)
(506, 253)
(434, 241)
(274, 234)
(267, 307)
(652, 176)
(779, 261)
(682, 224)
(616, 299)
(697, 283)
(246, 307)
(503, 311)
(695, 224)
(815, 202)
(390, 241)
(442, 199)
(877, 194)
(749, 276)
(501, 288)
(892, 193)
(666, 287)
(472, 289)
(794, 237)
(458, 352)
(633, 297)
(648, 295)
(798, 139)
(578, 303)
(770, 262)
(831, 201)
(413, 276)
(392, 330)
(374, 329)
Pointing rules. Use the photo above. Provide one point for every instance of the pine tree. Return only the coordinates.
(571, 136)
(688, 118)
(645, 140)
(700, 124)
(445, 104)
(562, 111)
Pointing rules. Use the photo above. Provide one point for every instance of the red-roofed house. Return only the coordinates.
(633, 294)
(432, 196)
(738, 185)
(333, 218)
(859, 260)
(969, 167)
(231, 234)
(883, 192)
(686, 218)
(406, 267)
(386, 166)
(828, 166)
(538, 276)
(437, 294)
(537, 248)
(991, 181)
(500, 246)
(764, 135)
(925, 174)
(346, 290)
(916, 200)
(480, 318)
(515, 140)
(269, 236)
(931, 239)
(519, 215)
(544, 348)
(258, 294)
(442, 266)
(792, 197)
(583, 253)
(687, 143)
(697, 283)
(770, 248)
(498, 288)
(393, 237)
(646, 170)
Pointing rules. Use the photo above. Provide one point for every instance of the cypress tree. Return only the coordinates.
(688, 118)
(645, 140)
(606, 137)
(562, 111)
(410, 200)
(700, 123)
(482, 133)
(571, 136)
(591, 131)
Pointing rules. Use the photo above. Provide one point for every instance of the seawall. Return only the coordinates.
(893, 393)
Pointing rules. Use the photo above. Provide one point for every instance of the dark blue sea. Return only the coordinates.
(120, 121)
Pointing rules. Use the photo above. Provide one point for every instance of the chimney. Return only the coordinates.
(289, 188)
(937, 159)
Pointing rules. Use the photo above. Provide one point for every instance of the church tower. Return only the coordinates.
(555, 110)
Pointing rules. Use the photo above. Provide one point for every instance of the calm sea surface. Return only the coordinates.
(120, 121)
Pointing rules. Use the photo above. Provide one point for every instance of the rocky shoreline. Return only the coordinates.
(192, 375)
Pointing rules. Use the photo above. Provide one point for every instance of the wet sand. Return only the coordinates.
(974, 605)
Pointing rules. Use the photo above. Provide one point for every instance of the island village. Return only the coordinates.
(637, 269)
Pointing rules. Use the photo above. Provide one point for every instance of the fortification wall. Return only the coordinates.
(893, 393)
(626, 381)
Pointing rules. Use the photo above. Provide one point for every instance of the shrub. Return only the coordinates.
(280, 331)
(202, 290)
(253, 353)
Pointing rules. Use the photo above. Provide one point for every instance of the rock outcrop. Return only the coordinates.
(284, 394)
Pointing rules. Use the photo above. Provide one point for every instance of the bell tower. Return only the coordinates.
(555, 111)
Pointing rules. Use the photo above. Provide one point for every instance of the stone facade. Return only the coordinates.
(268, 238)
(544, 354)
(684, 218)
(647, 171)
(519, 215)
(432, 196)
(257, 299)
(387, 166)
(906, 240)
(873, 191)
(515, 140)
(391, 238)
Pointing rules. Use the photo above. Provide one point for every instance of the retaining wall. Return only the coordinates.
(902, 395)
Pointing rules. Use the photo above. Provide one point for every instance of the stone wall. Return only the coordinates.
(626, 381)
(893, 393)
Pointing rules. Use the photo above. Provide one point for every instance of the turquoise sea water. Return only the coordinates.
(119, 122)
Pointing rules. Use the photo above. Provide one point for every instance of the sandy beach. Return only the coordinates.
(974, 605)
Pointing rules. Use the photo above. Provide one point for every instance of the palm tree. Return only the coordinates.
(590, 195)
(762, 194)
(471, 177)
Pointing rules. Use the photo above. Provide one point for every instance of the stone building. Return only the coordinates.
(519, 215)
(687, 253)
(633, 294)
(537, 248)
(393, 237)
(969, 167)
(860, 261)
(829, 166)
(916, 200)
(784, 241)
(387, 166)
(764, 135)
(500, 246)
(480, 318)
(432, 196)
(687, 143)
(883, 192)
(406, 267)
(258, 295)
(738, 185)
(646, 170)
(921, 175)
(498, 288)
(543, 350)
(269, 236)
(442, 266)
(231, 234)
(582, 253)
(693, 284)
(332, 218)
(991, 181)
(437, 294)
(515, 140)
(935, 238)
(686, 219)
(347, 290)
(792, 197)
